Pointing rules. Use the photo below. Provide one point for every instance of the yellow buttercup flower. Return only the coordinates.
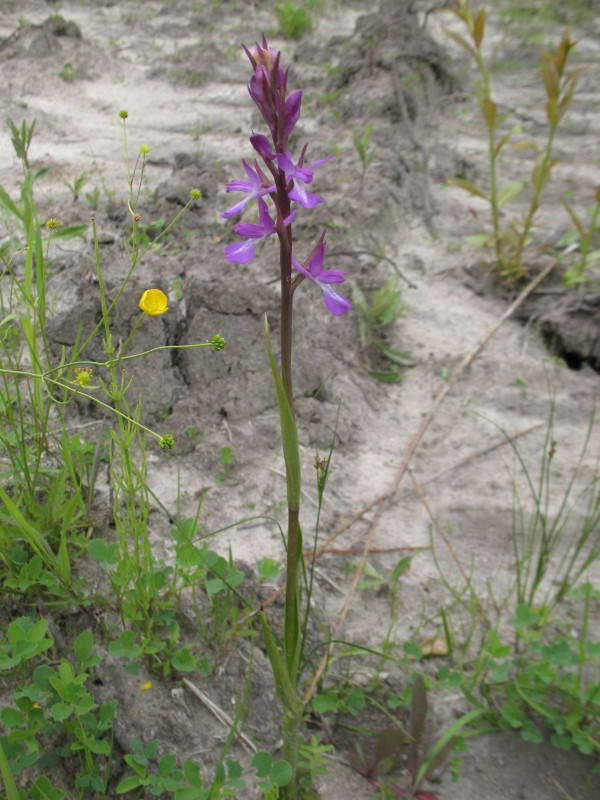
(154, 302)
(146, 686)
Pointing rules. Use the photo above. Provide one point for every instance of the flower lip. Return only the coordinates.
(313, 270)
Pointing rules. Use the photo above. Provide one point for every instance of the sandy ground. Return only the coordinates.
(176, 68)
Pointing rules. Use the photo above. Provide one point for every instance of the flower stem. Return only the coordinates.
(292, 719)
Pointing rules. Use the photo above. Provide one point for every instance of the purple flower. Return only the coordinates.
(262, 146)
(301, 176)
(256, 186)
(291, 113)
(313, 270)
(243, 252)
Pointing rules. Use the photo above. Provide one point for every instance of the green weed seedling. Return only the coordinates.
(394, 743)
(362, 144)
(159, 776)
(294, 19)
(584, 235)
(227, 464)
(271, 774)
(25, 639)
(551, 557)
(543, 684)
(510, 239)
(68, 73)
(268, 570)
(77, 184)
(54, 718)
(93, 198)
(373, 319)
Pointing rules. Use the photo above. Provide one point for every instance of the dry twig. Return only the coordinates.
(221, 715)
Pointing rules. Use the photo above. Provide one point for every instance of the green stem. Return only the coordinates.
(12, 793)
(292, 715)
(494, 208)
(537, 190)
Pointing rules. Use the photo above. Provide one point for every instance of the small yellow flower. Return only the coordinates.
(146, 686)
(83, 376)
(154, 302)
(52, 224)
(144, 149)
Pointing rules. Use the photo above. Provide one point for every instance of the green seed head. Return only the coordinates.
(123, 114)
(195, 194)
(218, 342)
(166, 442)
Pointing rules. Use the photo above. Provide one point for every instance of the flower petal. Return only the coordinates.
(332, 276)
(236, 208)
(266, 222)
(241, 252)
(302, 270)
(153, 302)
(284, 161)
(314, 263)
(318, 163)
(249, 229)
(252, 175)
(238, 185)
(262, 146)
(335, 303)
(292, 112)
(304, 198)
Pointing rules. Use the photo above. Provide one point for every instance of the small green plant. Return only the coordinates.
(93, 198)
(585, 235)
(510, 239)
(544, 683)
(362, 144)
(77, 185)
(227, 464)
(294, 19)
(154, 775)
(68, 73)
(56, 717)
(373, 319)
(422, 760)
(551, 556)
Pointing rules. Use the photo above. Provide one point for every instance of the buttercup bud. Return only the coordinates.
(166, 442)
(218, 342)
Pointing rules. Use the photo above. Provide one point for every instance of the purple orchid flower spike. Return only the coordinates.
(313, 270)
(301, 176)
(243, 252)
(256, 186)
(268, 87)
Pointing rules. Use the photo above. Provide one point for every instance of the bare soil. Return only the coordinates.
(176, 67)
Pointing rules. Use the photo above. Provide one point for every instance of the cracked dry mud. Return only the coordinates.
(176, 67)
